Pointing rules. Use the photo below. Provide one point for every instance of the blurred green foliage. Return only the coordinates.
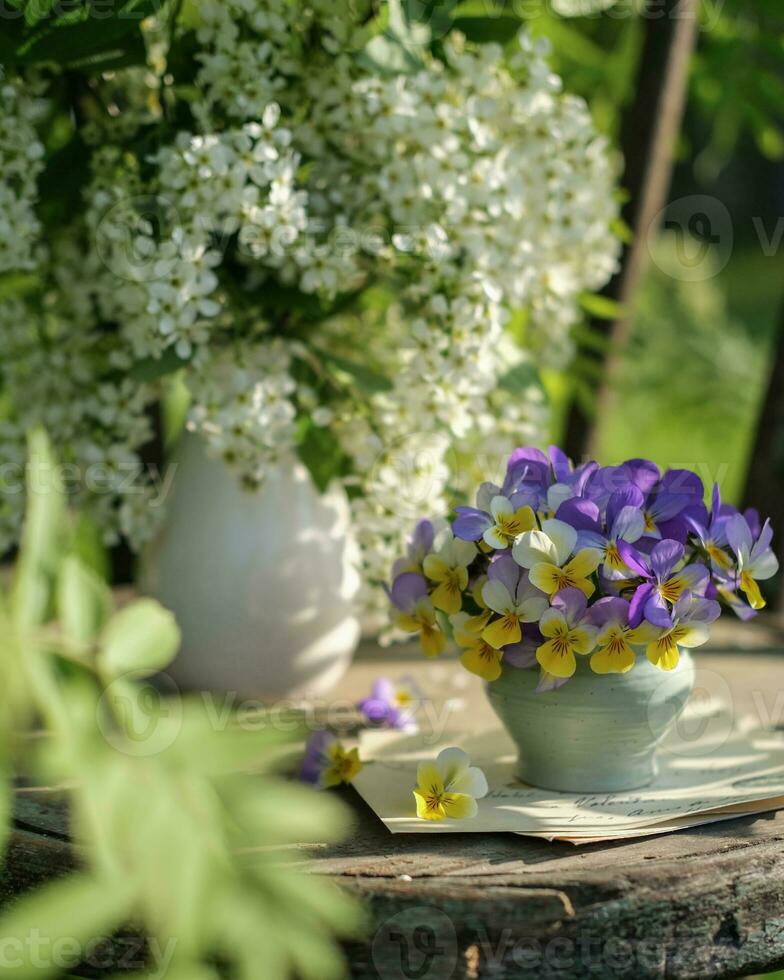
(694, 372)
(177, 818)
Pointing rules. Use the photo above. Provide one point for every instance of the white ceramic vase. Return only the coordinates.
(262, 583)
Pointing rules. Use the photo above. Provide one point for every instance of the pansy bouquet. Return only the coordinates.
(562, 562)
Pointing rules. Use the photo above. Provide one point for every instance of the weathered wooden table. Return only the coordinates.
(707, 902)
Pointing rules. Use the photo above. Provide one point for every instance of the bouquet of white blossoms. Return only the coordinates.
(347, 237)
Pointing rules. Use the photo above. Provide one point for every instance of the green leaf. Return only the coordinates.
(152, 368)
(484, 30)
(321, 453)
(78, 909)
(88, 546)
(400, 49)
(601, 307)
(581, 8)
(368, 381)
(92, 33)
(42, 534)
(142, 638)
(83, 600)
(520, 378)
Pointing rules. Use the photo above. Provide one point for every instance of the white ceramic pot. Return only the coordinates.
(262, 583)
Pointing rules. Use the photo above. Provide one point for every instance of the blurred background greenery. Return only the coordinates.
(695, 371)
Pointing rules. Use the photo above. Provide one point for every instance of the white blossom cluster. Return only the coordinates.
(242, 405)
(21, 162)
(56, 371)
(469, 193)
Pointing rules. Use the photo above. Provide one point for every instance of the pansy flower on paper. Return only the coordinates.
(328, 762)
(449, 787)
(392, 704)
(651, 561)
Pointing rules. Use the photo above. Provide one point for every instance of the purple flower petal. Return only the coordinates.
(522, 654)
(738, 534)
(505, 569)
(582, 514)
(422, 540)
(407, 590)
(610, 609)
(695, 576)
(572, 603)
(656, 611)
(315, 751)
(561, 464)
(665, 556)
(637, 605)
(633, 558)
(590, 539)
(630, 496)
(470, 523)
(628, 524)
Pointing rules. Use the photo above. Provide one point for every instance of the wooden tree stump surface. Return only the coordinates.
(706, 902)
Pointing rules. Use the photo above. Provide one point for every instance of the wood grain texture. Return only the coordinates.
(707, 902)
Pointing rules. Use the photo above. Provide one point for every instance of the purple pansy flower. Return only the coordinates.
(419, 547)
(327, 762)
(677, 497)
(691, 617)
(499, 527)
(754, 559)
(624, 521)
(392, 704)
(662, 585)
(711, 531)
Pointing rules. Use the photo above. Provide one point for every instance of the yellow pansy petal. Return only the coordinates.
(545, 577)
(585, 585)
(483, 660)
(556, 659)
(448, 597)
(582, 639)
(429, 778)
(552, 622)
(749, 585)
(613, 660)
(459, 806)
(525, 518)
(427, 807)
(432, 641)
(435, 568)
(406, 622)
(502, 631)
(584, 562)
(663, 653)
(644, 633)
(691, 636)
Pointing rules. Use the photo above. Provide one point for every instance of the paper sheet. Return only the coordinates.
(697, 782)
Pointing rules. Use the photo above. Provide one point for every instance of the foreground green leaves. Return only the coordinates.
(175, 808)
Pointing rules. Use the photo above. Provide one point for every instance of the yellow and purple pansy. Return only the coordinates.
(561, 561)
